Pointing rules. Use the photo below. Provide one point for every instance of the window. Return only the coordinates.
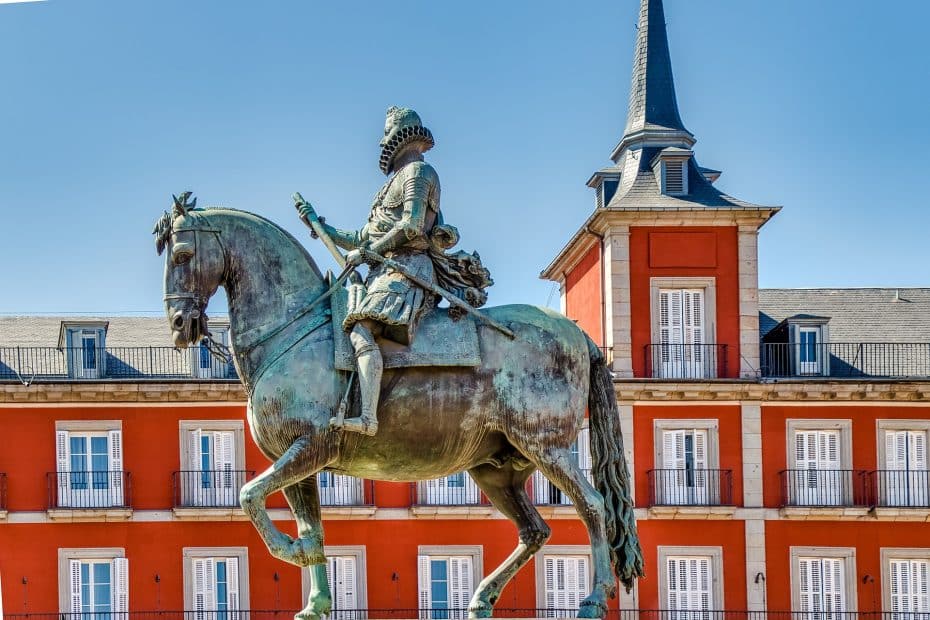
(93, 581)
(608, 189)
(212, 467)
(203, 364)
(674, 177)
(691, 577)
(215, 582)
(563, 579)
(89, 470)
(547, 494)
(447, 578)
(906, 582)
(345, 573)
(684, 460)
(682, 341)
(819, 454)
(340, 490)
(905, 479)
(824, 581)
(809, 351)
(455, 490)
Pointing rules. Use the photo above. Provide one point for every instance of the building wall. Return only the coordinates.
(583, 294)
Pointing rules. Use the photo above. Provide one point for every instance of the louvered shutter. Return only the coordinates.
(689, 584)
(120, 568)
(193, 482)
(232, 583)
(74, 570)
(920, 479)
(63, 464)
(699, 474)
(115, 446)
(210, 583)
(910, 590)
(834, 596)
(223, 466)
(810, 585)
(423, 575)
(460, 583)
(199, 570)
(566, 581)
(584, 450)
(341, 576)
(549, 575)
(823, 584)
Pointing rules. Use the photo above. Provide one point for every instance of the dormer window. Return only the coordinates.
(203, 364)
(608, 189)
(799, 346)
(83, 344)
(671, 169)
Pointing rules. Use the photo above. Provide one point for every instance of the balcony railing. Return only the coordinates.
(860, 360)
(455, 490)
(544, 493)
(88, 490)
(339, 490)
(686, 361)
(74, 364)
(690, 487)
(208, 488)
(900, 489)
(461, 613)
(824, 488)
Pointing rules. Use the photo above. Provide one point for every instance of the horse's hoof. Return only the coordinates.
(474, 614)
(592, 609)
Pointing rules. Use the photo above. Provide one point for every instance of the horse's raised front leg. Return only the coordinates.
(301, 460)
(506, 488)
(558, 466)
(304, 500)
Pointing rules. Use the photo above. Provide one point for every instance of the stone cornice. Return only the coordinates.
(122, 392)
(783, 391)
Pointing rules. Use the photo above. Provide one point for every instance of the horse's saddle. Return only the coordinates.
(439, 340)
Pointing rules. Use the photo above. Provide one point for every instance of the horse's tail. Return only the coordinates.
(611, 476)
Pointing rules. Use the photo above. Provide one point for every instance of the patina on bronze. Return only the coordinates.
(519, 410)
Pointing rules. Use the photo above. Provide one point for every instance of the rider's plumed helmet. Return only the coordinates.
(402, 127)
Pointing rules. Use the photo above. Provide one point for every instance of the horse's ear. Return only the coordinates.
(181, 205)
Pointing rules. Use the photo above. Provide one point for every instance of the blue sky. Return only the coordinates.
(109, 107)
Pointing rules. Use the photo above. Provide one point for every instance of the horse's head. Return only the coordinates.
(194, 267)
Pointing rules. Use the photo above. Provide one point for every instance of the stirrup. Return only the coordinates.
(365, 425)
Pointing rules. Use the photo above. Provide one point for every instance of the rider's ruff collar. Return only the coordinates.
(406, 129)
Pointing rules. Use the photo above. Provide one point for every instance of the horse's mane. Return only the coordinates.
(165, 225)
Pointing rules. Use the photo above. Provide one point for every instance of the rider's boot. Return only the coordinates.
(370, 367)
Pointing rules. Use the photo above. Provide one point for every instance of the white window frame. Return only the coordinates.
(66, 555)
(191, 553)
(715, 553)
(711, 426)
(216, 369)
(556, 550)
(114, 431)
(898, 553)
(439, 491)
(846, 554)
(361, 571)
(186, 427)
(709, 286)
(474, 552)
(884, 426)
(844, 426)
(69, 330)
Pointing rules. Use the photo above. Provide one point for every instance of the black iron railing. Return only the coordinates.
(686, 361)
(462, 613)
(83, 490)
(824, 488)
(690, 487)
(899, 489)
(339, 490)
(454, 490)
(78, 364)
(218, 488)
(544, 493)
(863, 360)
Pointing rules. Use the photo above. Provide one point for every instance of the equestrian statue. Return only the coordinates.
(402, 376)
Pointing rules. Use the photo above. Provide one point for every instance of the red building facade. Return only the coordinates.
(777, 439)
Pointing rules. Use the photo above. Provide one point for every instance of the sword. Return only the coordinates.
(313, 221)
(438, 290)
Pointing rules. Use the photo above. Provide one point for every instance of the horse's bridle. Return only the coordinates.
(199, 301)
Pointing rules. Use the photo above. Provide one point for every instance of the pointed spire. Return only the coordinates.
(653, 111)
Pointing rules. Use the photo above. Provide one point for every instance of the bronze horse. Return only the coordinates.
(517, 412)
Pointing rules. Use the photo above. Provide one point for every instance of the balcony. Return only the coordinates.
(686, 361)
(106, 494)
(208, 488)
(113, 363)
(848, 360)
(544, 493)
(900, 489)
(337, 490)
(690, 487)
(821, 489)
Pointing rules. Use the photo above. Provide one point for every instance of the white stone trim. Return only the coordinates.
(627, 431)
(715, 553)
(748, 274)
(475, 552)
(847, 554)
(615, 257)
(242, 553)
(85, 426)
(361, 571)
(540, 568)
(751, 422)
(711, 425)
(65, 555)
(897, 553)
(755, 564)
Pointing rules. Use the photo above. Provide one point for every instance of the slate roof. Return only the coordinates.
(856, 314)
(125, 331)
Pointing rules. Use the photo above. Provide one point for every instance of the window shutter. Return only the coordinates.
(918, 460)
(581, 581)
(63, 465)
(689, 584)
(223, 466)
(115, 445)
(199, 570)
(74, 568)
(829, 449)
(193, 451)
(674, 177)
(834, 598)
(460, 582)
(232, 583)
(423, 575)
(910, 590)
(549, 570)
(673, 449)
(584, 450)
(349, 583)
(895, 450)
(665, 319)
(120, 585)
